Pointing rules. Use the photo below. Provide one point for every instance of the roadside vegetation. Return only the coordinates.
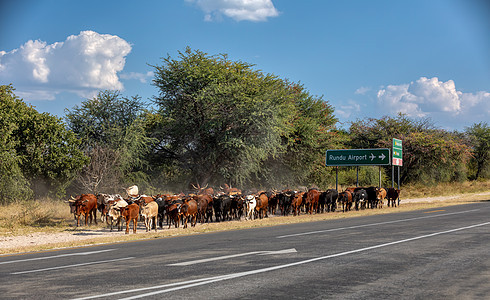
(213, 121)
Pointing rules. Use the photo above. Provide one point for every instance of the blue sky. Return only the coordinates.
(427, 58)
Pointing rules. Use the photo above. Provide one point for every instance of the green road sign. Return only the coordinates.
(397, 148)
(358, 157)
(397, 152)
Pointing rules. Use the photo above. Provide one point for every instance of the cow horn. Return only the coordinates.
(194, 186)
(205, 186)
(72, 198)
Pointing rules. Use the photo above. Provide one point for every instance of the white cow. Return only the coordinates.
(132, 191)
(103, 203)
(250, 204)
(114, 214)
(150, 213)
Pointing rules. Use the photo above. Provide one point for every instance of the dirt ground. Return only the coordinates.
(24, 242)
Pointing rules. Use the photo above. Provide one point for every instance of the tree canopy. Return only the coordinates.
(430, 155)
(221, 120)
(112, 133)
(40, 155)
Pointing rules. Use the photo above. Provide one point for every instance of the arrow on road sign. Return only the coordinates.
(372, 157)
(382, 156)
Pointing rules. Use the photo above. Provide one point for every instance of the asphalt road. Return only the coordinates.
(432, 254)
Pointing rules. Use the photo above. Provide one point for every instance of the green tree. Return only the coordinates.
(479, 135)
(112, 130)
(221, 120)
(13, 184)
(430, 155)
(312, 132)
(39, 145)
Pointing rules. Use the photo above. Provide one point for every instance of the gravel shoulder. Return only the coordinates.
(89, 236)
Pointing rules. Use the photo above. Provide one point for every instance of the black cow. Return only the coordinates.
(329, 200)
(237, 206)
(162, 207)
(273, 202)
(392, 195)
(371, 196)
(284, 201)
(222, 207)
(360, 197)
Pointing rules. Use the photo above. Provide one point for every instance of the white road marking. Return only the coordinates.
(199, 261)
(71, 266)
(203, 281)
(373, 224)
(55, 256)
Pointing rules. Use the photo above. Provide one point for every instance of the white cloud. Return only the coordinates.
(239, 10)
(348, 110)
(431, 97)
(81, 64)
(362, 90)
(138, 76)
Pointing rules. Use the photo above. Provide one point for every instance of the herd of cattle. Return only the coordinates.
(226, 204)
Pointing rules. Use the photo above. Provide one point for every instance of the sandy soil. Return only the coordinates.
(36, 239)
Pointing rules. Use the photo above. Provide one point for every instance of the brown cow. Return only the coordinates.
(262, 205)
(130, 213)
(296, 203)
(380, 196)
(392, 195)
(189, 212)
(85, 205)
(173, 214)
(230, 191)
(203, 190)
(311, 200)
(204, 204)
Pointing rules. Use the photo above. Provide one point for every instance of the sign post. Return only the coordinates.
(358, 157)
(397, 161)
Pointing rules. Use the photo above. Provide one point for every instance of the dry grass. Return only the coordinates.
(49, 216)
(445, 189)
(34, 216)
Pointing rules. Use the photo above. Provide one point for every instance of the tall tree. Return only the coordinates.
(479, 135)
(112, 131)
(221, 120)
(13, 184)
(312, 131)
(39, 145)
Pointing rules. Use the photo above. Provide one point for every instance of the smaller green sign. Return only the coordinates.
(397, 159)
